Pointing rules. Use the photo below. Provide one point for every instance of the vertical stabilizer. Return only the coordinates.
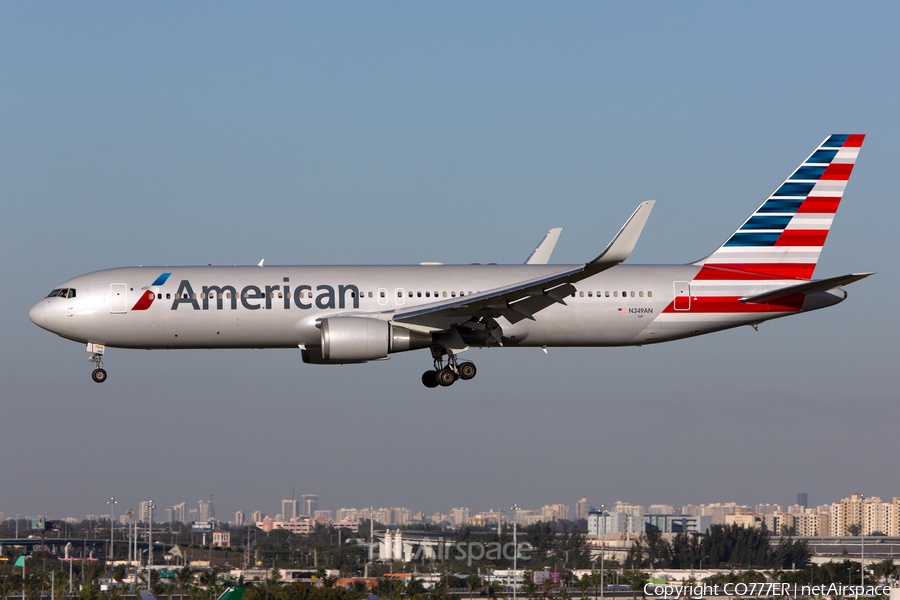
(785, 235)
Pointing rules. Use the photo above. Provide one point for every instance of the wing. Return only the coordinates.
(523, 299)
(541, 254)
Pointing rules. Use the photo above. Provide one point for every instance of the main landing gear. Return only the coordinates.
(98, 374)
(447, 375)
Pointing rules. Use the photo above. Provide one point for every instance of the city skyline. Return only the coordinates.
(457, 515)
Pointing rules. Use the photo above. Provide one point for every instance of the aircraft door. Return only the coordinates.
(118, 302)
(682, 295)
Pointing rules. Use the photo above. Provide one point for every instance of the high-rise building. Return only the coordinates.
(207, 510)
(309, 504)
(459, 516)
(582, 508)
(170, 515)
(239, 518)
(257, 516)
(144, 512)
(289, 509)
(802, 499)
(179, 512)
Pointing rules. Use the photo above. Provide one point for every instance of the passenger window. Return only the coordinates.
(428, 294)
(382, 294)
(632, 294)
(615, 294)
(581, 294)
(641, 294)
(410, 295)
(370, 294)
(453, 294)
(418, 294)
(607, 294)
(168, 296)
(624, 294)
(445, 294)
(202, 295)
(159, 296)
(649, 294)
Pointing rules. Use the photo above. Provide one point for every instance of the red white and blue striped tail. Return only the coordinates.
(784, 237)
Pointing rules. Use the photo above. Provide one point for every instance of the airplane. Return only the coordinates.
(355, 314)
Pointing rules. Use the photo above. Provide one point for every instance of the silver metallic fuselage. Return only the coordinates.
(624, 305)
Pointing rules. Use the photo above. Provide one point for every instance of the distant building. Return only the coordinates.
(170, 515)
(221, 539)
(309, 504)
(582, 507)
(144, 511)
(239, 518)
(749, 520)
(257, 516)
(802, 499)
(290, 509)
(459, 516)
(207, 510)
(322, 513)
(179, 512)
(679, 523)
(609, 522)
(660, 509)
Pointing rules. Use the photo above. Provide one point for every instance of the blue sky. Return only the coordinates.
(306, 133)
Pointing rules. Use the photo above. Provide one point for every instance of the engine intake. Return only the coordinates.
(358, 339)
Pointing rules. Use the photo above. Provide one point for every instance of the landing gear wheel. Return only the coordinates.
(98, 375)
(467, 371)
(429, 378)
(446, 377)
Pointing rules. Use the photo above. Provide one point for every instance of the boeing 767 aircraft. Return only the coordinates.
(353, 314)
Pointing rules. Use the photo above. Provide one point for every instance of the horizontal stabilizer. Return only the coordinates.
(810, 287)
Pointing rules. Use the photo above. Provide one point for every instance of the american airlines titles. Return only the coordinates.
(253, 297)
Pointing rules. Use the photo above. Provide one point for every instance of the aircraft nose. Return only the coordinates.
(36, 314)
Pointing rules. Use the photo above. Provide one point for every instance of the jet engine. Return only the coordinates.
(358, 339)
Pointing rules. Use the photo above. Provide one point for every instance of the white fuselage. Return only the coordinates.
(279, 307)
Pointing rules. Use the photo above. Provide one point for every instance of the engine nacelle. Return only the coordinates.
(358, 339)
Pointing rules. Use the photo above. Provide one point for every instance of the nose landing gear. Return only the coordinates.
(447, 375)
(98, 374)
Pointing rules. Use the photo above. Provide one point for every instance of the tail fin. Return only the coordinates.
(785, 235)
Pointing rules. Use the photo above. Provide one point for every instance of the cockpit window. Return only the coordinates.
(63, 293)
